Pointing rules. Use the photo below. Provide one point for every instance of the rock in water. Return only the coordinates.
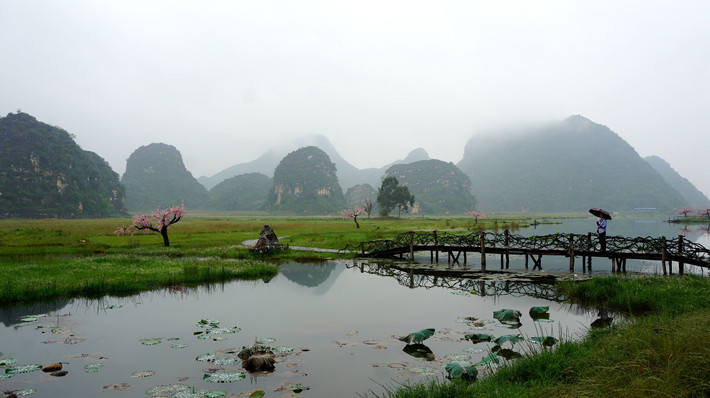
(268, 241)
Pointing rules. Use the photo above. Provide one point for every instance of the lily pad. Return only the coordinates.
(419, 351)
(26, 391)
(151, 341)
(507, 316)
(7, 361)
(461, 370)
(537, 313)
(417, 337)
(23, 369)
(223, 376)
(509, 338)
(226, 361)
(466, 319)
(143, 373)
(212, 323)
(4, 376)
(283, 349)
(205, 358)
(266, 340)
(93, 367)
(167, 390)
(257, 394)
(479, 337)
(299, 387)
(179, 345)
(215, 394)
(223, 330)
(457, 357)
(425, 370)
(547, 341)
(490, 359)
(507, 353)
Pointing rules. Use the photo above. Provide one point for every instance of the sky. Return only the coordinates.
(224, 81)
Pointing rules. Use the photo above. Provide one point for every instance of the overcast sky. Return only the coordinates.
(223, 81)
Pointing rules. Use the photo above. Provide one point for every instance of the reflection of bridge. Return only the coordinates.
(618, 248)
(469, 282)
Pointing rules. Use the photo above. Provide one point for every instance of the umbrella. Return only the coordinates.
(600, 213)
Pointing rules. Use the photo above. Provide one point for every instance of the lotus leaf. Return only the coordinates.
(539, 309)
(462, 370)
(473, 350)
(547, 341)
(150, 342)
(225, 361)
(23, 369)
(93, 367)
(507, 316)
(417, 337)
(190, 394)
(7, 361)
(215, 394)
(479, 337)
(425, 370)
(266, 340)
(507, 353)
(491, 358)
(234, 329)
(282, 349)
(509, 337)
(419, 351)
(143, 373)
(257, 394)
(5, 376)
(466, 319)
(26, 391)
(167, 390)
(457, 357)
(213, 323)
(178, 345)
(205, 358)
(223, 376)
(299, 387)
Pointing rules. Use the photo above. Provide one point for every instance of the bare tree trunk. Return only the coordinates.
(356, 224)
(164, 233)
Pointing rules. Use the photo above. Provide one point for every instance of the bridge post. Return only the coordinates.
(411, 245)
(681, 265)
(663, 254)
(507, 255)
(482, 236)
(589, 248)
(436, 245)
(571, 252)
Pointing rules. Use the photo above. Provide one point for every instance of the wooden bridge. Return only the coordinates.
(618, 248)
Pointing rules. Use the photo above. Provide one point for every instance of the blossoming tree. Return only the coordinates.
(158, 221)
(352, 213)
(476, 215)
(704, 212)
(685, 210)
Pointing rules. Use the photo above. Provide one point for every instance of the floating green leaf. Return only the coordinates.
(23, 369)
(417, 337)
(266, 340)
(299, 387)
(151, 342)
(215, 394)
(509, 338)
(419, 351)
(507, 316)
(547, 341)
(461, 370)
(179, 345)
(7, 361)
(213, 323)
(26, 391)
(257, 394)
(93, 367)
(206, 358)
(466, 319)
(223, 376)
(507, 353)
(143, 373)
(226, 361)
(168, 390)
(5, 376)
(457, 357)
(479, 337)
(282, 349)
(537, 313)
(491, 358)
(223, 330)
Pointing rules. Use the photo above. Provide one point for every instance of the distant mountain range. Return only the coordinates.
(568, 165)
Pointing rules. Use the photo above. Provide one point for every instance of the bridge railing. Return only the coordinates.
(557, 242)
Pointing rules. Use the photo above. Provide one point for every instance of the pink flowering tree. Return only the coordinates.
(158, 221)
(348, 214)
(685, 210)
(476, 215)
(704, 212)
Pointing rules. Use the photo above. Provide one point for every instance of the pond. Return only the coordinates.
(341, 323)
(334, 328)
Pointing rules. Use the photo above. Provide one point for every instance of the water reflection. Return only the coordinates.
(325, 319)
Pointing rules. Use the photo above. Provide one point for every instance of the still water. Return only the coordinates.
(340, 322)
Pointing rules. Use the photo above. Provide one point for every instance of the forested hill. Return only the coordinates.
(156, 177)
(438, 187)
(305, 182)
(44, 173)
(690, 193)
(570, 165)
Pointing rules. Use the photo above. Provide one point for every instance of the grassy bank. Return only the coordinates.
(664, 352)
(43, 259)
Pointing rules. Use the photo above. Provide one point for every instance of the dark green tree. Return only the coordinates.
(391, 195)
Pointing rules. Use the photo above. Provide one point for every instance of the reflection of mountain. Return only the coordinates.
(312, 275)
(10, 316)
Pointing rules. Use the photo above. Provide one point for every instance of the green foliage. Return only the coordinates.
(566, 166)
(440, 187)
(458, 370)
(417, 337)
(391, 195)
(44, 173)
(245, 192)
(156, 177)
(305, 182)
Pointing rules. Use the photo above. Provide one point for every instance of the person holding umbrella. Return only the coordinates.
(601, 225)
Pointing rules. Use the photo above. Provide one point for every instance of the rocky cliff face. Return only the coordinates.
(305, 182)
(44, 173)
(156, 177)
